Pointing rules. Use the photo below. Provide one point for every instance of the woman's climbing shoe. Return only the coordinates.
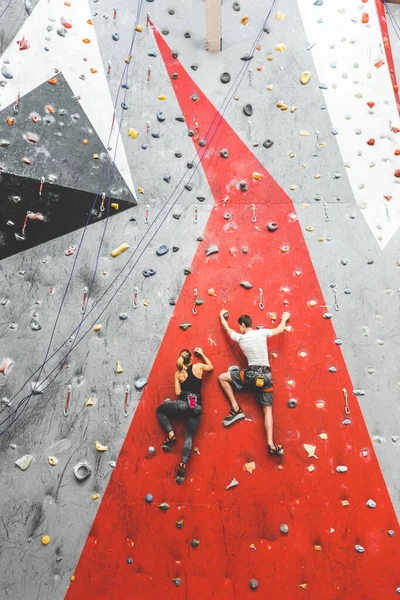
(169, 442)
(180, 475)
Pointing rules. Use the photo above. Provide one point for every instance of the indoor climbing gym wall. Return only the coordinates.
(161, 162)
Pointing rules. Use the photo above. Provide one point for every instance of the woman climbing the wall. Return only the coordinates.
(188, 381)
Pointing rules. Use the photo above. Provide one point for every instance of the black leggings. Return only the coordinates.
(180, 408)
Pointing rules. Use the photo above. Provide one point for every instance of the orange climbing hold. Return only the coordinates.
(244, 20)
(395, 129)
(397, 152)
(86, 41)
(53, 81)
(379, 63)
(27, 161)
(387, 197)
(50, 109)
(32, 138)
(65, 23)
(259, 68)
(371, 142)
(93, 70)
(85, 142)
(365, 18)
(10, 121)
(371, 104)
(89, 22)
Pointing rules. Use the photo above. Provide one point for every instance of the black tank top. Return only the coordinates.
(191, 383)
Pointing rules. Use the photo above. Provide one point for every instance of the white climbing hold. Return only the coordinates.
(24, 462)
(232, 484)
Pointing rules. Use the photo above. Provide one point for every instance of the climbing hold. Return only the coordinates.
(97, 327)
(243, 186)
(253, 584)
(341, 469)
(100, 447)
(211, 292)
(370, 503)
(236, 6)
(285, 249)
(344, 261)
(332, 369)
(246, 285)
(310, 450)
(149, 498)
(268, 143)
(123, 316)
(327, 315)
(305, 77)
(118, 368)
(140, 383)
(120, 249)
(82, 471)
(232, 484)
(194, 97)
(284, 529)
(213, 249)
(185, 326)
(225, 77)
(358, 392)
(35, 325)
(115, 37)
(248, 110)
(89, 402)
(37, 387)
(391, 533)
(162, 97)
(45, 540)
(227, 216)
(161, 250)
(280, 16)
(292, 403)
(272, 226)
(10, 121)
(24, 462)
(52, 461)
(176, 581)
(359, 548)
(163, 506)
(160, 117)
(194, 543)
(224, 153)
(280, 47)
(132, 133)
(6, 73)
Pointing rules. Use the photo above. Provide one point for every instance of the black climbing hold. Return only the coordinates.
(245, 250)
(189, 165)
(199, 302)
(174, 54)
(246, 285)
(148, 272)
(188, 187)
(292, 403)
(164, 506)
(125, 86)
(155, 135)
(171, 11)
(248, 110)
(187, 35)
(35, 325)
(224, 153)
(161, 250)
(181, 119)
(115, 37)
(327, 315)
(175, 248)
(124, 105)
(129, 561)
(227, 216)
(172, 302)
(243, 186)
(187, 271)
(225, 77)
(194, 543)
(160, 117)
(213, 249)
(199, 239)
(153, 54)
(247, 57)
(272, 226)
(236, 6)
(200, 198)
(178, 154)
(185, 326)
(179, 524)
(194, 97)
(167, 178)
(268, 143)
(194, 67)
(174, 76)
(202, 143)
(165, 32)
(226, 315)
(370, 261)
(253, 584)
(176, 216)
(266, 30)
(177, 581)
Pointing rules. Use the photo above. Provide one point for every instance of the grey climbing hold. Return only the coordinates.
(226, 315)
(185, 326)
(327, 315)
(272, 226)
(243, 186)
(24, 462)
(181, 119)
(332, 369)
(370, 503)
(246, 285)
(175, 248)
(62, 32)
(161, 250)
(155, 135)
(167, 178)
(194, 543)
(284, 529)
(129, 561)
(199, 302)
(177, 216)
(292, 403)
(338, 342)
(347, 291)
(178, 155)
(177, 581)
(149, 498)
(174, 76)
(358, 392)
(346, 422)
(318, 2)
(370, 261)
(232, 484)
(236, 6)
(341, 469)
(163, 506)
(82, 470)
(253, 584)
(245, 250)
(160, 117)
(395, 438)
(123, 316)
(268, 143)
(6, 73)
(248, 110)
(359, 548)
(225, 77)
(194, 97)
(344, 261)
(148, 272)
(213, 249)
(179, 524)
(391, 533)
(140, 383)
(35, 325)
(224, 153)
(187, 271)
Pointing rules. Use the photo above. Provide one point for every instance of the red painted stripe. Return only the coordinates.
(380, 7)
(228, 522)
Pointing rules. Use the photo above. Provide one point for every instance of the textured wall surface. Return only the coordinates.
(307, 188)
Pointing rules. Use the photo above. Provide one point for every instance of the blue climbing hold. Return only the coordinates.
(149, 498)
(161, 250)
(115, 37)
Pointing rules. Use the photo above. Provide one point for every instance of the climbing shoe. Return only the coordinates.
(233, 416)
(167, 445)
(275, 450)
(180, 475)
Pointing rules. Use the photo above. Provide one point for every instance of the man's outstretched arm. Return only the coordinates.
(282, 324)
(224, 323)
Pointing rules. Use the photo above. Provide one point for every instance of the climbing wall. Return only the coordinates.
(219, 145)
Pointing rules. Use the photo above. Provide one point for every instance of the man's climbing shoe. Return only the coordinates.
(180, 475)
(234, 415)
(169, 442)
(275, 450)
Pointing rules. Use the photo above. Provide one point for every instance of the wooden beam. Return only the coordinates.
(213, 26)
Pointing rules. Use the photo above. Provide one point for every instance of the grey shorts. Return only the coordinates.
(264, 398)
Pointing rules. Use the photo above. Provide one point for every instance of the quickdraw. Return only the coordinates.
(126, 400)
(260, 302)
(146, 218)
(196, 213)
(346, 401)
(84, 300)
(194, 309)
(135, 295)
(326, 211)
(66, 405)
(253, 210)
(103, 198)
(335, 293)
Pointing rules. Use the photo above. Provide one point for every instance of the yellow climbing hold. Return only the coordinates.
(256, 176)
(305, 205)
(162, 97)
(139, 28)
(270, 87)
(100, 447)
(118, 368)
(95, 156)
(309, 228)
(317, 176)
(323, 436)
(120, 249)
(345, 503)
(292, 155)
(252, 547)
(303, 585)
(302, 354)
(250, 467)
(95, 496)
(140, 190)
(115, 205)
(293, 187)
(293, 109)
(297, 273)
(304, 133)
(97, 327)
(310, 468)
(72, 578)
(133, 133)
(211, 292)
(270, 57)
(305, 77)
(280, 16)
(290, 383)
(318, 548)
(89, 402)
(312, 303)
(52, 461)
(321, 239)
(128, 59)
(244, 20)
(45, 540)
(146, 303)
(280, 47)
(274, 355)
(285, 249)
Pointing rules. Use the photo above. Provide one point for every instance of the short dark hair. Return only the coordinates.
(245, 320)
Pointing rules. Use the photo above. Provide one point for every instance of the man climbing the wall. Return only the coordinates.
(257, 376)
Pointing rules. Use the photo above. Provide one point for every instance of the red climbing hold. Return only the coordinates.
(371, 104)
(35, 118)
(397, 173)
(395, 129)
(379, 63)
(371, 142)
(365, 18)
(387, 197)
(53, 81)
(397, 152)
(23, 44)
(32, 138)
(65, 23)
